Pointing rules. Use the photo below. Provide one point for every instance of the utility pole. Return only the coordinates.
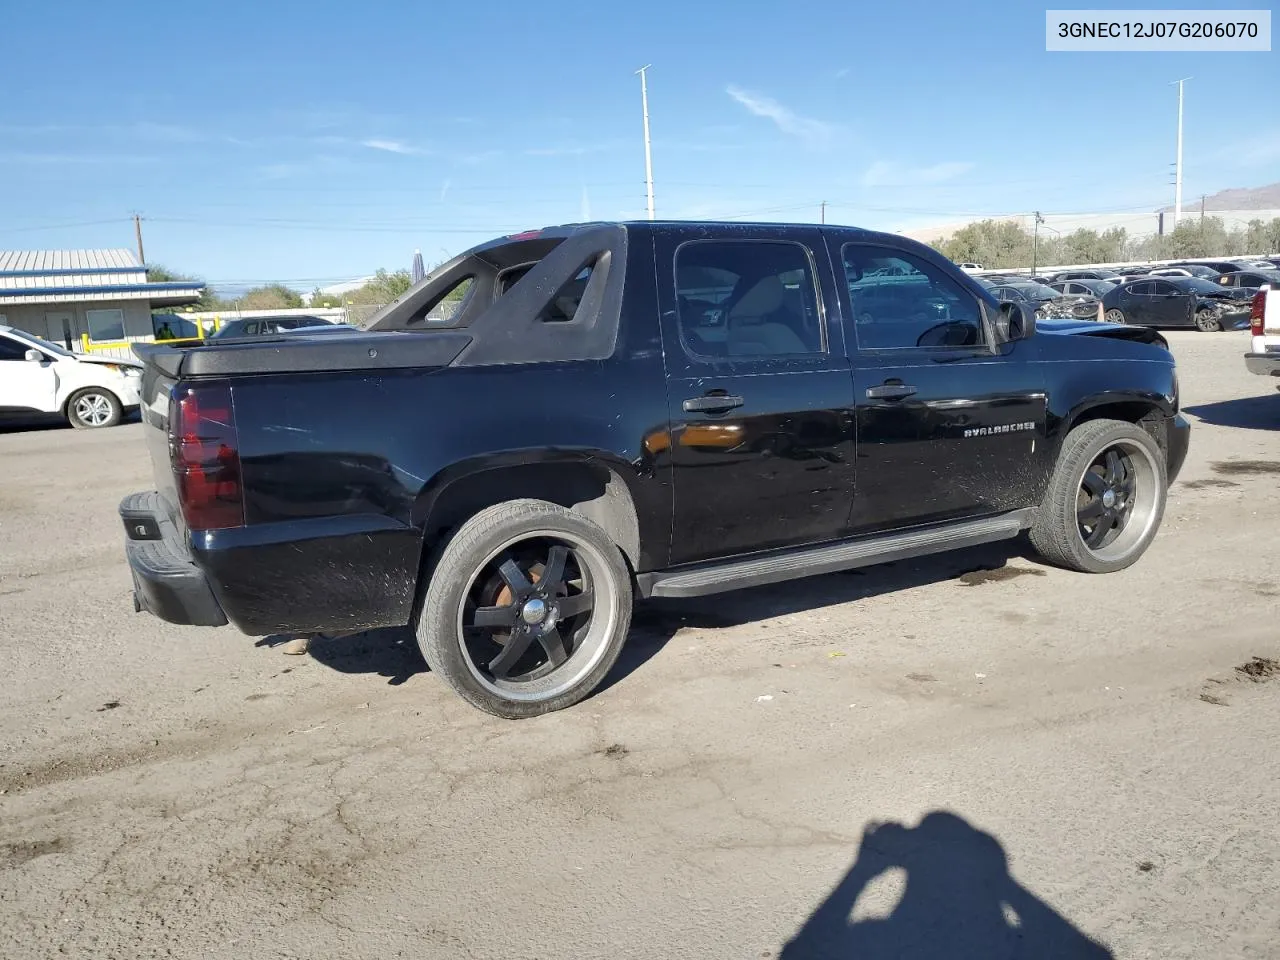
(137, 233)
(1177, 189)
(822, 217)
(1202, 199)
(648, 152)
(1035, 241)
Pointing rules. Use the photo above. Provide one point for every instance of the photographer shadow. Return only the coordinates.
(959, 902)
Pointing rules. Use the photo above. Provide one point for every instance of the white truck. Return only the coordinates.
(1263, 357)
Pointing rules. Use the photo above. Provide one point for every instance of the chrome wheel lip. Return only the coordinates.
(1140, 509)
(587, 652)
(93, 409)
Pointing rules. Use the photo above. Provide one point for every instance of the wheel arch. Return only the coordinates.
(1148, 411)
(587, 484)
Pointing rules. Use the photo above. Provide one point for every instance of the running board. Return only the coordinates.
(696, 581)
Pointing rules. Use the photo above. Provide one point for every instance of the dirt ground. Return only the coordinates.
(972, 755)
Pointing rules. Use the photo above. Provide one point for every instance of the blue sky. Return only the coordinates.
(314, 142)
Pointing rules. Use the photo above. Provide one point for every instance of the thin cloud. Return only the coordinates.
(74, 158)
(811, 131)
(885, 174)
(444, 189)
(393, 146)
(167, 133)
(841, 73)
(1260, 149)
(572, 149)
(476, 159)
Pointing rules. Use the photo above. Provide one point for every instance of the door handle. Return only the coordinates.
(890, 391)
(712, 403)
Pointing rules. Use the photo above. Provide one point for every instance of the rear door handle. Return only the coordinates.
(712, 403)
(890, 391)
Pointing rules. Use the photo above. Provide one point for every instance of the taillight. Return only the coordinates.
(206, 457)
(1258, 314)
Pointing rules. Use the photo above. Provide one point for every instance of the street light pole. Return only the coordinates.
(1035, 242)
(1177, 189)
(648, 152)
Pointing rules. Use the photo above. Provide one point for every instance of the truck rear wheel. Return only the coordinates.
(526, 610)
(1105, 500)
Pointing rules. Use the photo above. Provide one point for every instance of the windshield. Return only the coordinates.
(1196, 285)
(1035, 291)
(42, 344)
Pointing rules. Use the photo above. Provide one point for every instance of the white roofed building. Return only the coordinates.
(79, 298)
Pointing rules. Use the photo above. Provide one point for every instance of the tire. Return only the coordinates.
(92, 408)
(485, 590)
(1207, 322)
(1078, 493)
(1115, 315)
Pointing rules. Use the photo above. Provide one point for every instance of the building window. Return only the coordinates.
(105, 325)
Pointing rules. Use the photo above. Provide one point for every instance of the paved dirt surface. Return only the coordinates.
(947, 758)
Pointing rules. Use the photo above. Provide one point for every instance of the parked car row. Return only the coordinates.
(1206, 294)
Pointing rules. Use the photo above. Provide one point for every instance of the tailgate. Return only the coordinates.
(157, 384)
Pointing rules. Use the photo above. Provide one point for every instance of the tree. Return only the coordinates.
(383, 288)
(272, 296)
(992, 243)
(209, 299)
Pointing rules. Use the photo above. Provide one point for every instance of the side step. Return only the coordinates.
(698, 580)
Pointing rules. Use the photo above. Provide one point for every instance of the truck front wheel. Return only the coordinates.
(526, 609)
(1105, 500)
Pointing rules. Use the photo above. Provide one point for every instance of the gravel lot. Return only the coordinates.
(1057, 757)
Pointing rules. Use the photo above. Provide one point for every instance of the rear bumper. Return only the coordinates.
(1179, 442)
(1263, 364)
(166, 582)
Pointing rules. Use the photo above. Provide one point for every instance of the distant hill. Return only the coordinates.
(1236, 198)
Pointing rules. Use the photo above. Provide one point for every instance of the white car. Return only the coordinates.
(37, 377)
(1263, 357)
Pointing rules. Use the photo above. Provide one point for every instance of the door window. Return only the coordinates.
(1140, 289)
(1249, 281)
(1163, 288)
(747, 298)
(901, 301)
(12, 349)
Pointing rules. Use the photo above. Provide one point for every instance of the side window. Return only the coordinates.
(12, 349)
(899, 300)
(1250, 281)
(1163, 288)
(1140, 289)
(747, 298)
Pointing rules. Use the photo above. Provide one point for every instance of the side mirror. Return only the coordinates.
(1014, 322)
(34, 356)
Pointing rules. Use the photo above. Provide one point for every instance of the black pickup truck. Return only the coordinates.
(557, 422)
